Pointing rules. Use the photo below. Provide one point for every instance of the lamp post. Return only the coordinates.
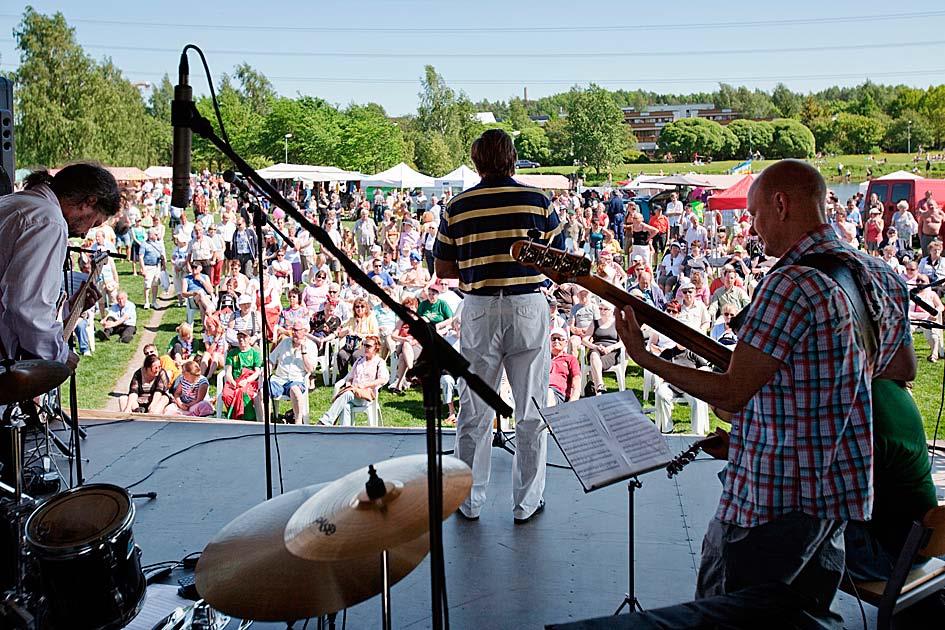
(909, 136)
(287, 136)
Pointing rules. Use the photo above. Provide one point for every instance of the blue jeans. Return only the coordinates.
(82, 335)
(801, 551)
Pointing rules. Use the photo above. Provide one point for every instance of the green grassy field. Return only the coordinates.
(882, 163)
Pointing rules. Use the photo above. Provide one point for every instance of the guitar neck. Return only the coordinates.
(704, 346)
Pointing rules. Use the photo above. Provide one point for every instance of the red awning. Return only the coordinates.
(734, 198)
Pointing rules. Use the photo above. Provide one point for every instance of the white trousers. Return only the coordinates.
(665, 395)
(509, 332)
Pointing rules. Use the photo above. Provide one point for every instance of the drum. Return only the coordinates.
(80, 542)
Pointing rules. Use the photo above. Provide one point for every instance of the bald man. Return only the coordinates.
(797, 393)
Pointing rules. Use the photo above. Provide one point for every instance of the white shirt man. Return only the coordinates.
(292, 361)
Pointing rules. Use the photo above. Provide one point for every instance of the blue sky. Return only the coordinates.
(375, 50)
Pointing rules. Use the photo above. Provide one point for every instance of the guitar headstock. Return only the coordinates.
(558, 265)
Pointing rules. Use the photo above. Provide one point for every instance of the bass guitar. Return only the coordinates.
(562, 267)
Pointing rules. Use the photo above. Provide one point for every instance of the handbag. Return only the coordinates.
(165, 280)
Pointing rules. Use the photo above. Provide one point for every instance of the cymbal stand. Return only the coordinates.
(14, 601)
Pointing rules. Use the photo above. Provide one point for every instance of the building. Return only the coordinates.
(648, 123)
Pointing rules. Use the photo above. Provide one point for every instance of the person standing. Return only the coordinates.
(34, 227)
(674, 212)
(505, 316)
(798, 396)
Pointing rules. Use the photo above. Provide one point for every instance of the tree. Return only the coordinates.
(753, 135)
(688, 136)
(791, 140)
(933, 106)
(441, 111)
(856, 134)
(431, 154)
(532, 144)
(369, 141)
(255, 88)
(560, 150)
(597, 129)
(908, 132)
(787, 102)
(518, 115)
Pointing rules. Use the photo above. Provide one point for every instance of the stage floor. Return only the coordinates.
(569, 563)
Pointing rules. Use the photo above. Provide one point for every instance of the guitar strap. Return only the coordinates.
(836, 270)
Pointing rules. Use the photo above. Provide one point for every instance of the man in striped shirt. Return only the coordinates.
(504, 317)
(798, 396)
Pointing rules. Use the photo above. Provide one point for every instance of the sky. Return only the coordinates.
(375, 50)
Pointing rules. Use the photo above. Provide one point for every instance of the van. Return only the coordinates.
(892, 191)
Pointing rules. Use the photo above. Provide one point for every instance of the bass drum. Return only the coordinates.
(81, 544)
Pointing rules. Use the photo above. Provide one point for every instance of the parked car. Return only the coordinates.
(526, 164)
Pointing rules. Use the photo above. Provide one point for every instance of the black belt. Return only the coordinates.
(513, 290)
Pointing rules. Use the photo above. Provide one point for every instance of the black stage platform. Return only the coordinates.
(569, 563)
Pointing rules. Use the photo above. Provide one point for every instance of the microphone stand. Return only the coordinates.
(436, 355)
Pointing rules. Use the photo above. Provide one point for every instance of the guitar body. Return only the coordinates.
(68, 327)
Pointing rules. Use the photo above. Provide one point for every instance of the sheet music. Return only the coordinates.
(607, 438)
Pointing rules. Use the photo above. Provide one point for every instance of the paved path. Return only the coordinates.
(137, 359)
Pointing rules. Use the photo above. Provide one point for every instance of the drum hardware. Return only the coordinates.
(320, 549)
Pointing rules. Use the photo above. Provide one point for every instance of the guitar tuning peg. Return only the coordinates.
(534, 235)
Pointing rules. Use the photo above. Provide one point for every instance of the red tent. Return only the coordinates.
(734, 198)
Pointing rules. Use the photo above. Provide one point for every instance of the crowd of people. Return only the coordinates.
(696, 264)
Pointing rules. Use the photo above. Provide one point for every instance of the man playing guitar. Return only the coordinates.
(797, 393)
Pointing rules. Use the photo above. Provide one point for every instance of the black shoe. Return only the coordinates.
(461, 515)
(538, 510)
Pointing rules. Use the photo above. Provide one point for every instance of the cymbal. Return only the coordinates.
(247, 572)
(25, 379)
(341, 522)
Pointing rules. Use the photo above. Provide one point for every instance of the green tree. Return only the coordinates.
(518, 115)
(432, 155)
(933, 106)
(856, 133)
(597, 129)
(688, 136)
(255, 88)
(753, 135)
(532, 144)
(560, 151)
(908, 132)
(369, 141)
(791, 140)
(787, 102)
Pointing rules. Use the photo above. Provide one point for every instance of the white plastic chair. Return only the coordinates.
(371, 408)
(619, 369)
(303, 404)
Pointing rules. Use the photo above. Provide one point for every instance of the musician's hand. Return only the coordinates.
(72, 362)
(718, 448)
(92, 296)
(629, 331)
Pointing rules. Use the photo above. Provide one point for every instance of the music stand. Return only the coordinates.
(607, 439)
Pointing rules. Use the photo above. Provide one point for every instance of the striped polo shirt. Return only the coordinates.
(477, 230)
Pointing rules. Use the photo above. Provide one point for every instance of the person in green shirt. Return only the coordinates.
(432, 308)
(241, 380)
(902, 484)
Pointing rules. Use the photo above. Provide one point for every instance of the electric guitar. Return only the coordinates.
(78, 302)
(563, 267)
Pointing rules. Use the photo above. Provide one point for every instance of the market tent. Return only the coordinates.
(734, 198)
(691, 179)
(547, 182)
(159, 172)
(462, 177)
(120, 173)
(306, 173)
(400, 176)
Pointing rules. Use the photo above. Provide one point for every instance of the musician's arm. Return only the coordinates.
(902, 367)
(446, 268)
(748, 370)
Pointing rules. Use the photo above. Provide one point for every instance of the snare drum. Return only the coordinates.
(90, 569)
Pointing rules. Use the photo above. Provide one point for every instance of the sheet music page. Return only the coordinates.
(640, 440)
(591, 451)
(607, 438)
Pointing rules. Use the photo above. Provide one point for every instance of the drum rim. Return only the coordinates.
(108, 535)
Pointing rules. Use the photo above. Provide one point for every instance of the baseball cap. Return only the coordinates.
(558, 330)
(245, 298)
(415, 256)
(686, 283)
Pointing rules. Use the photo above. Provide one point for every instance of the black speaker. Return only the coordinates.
(7, 155)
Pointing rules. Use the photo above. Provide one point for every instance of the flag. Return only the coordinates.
(741, 169)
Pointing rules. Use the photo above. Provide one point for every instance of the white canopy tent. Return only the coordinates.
(400, 176)
(462, 178)
(159, 172)
(306, 173)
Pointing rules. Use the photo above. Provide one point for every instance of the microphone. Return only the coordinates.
(922, 287)
(183, 136)
(925, 306)
(230, 176)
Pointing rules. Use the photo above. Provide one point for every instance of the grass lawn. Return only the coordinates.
(828, 166)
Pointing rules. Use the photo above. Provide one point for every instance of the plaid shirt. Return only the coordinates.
(804, 442)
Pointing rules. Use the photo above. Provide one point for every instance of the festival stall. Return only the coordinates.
(462, 178)
(399, 176)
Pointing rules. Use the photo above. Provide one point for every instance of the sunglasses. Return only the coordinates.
(369, 346)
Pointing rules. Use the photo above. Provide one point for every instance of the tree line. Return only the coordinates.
(70, 106)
